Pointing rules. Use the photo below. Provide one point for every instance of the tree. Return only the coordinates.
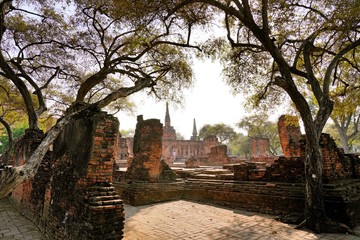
(11, 114)
(222, 131)
(284, 47)
(259, 126)
(95, 49)
(346, 118)
(240, 145)
(353, 143)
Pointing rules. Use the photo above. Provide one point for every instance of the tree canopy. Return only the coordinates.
(222, 131)
(88, 54)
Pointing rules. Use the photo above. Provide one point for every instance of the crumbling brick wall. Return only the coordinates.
(217, 157)
(336, 164)
(260, 150)
(71, 195)
(30, 193)
(290, 167)
(83, 202)
(290, 135)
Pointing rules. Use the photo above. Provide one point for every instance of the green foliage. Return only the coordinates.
(240, 146)
(291, 121)
(222, 131)
(260, 126)
(4, 140)
(97, 52)
(127, 133)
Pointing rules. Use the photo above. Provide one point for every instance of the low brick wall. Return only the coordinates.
(342, 199)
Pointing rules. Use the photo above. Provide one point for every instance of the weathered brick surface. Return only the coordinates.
(260, 147)
(84, 154)
(71, 196)
(290, 134)
(216, 157)
(336, 164)
(147, 164)
(341, 199)
(286, 170)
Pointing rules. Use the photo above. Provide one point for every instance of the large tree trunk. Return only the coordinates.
(314, 197)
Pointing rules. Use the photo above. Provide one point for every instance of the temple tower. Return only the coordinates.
(169, 132)
(194, 132)
(167, 116)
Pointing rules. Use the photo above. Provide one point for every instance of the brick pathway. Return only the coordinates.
(178, 220)
(15, 226)
(188, 220)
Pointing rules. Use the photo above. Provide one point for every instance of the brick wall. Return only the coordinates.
(216, 157)
(336, 164)
(289, 134)
(71, 196)
(341, 200)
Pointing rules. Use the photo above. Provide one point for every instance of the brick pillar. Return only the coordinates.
(260, 147)
(82, 202)
(147, 164)
(289, 133)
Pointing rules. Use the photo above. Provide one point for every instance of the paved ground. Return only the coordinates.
(188, 220)
(14, 226)
(178, 220)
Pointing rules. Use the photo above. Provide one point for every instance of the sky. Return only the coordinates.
(210, 101)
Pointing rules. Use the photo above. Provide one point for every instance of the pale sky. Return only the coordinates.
(210, 101)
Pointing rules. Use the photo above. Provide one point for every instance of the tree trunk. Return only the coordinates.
(10, 139)
(314, 197)
(344, 139)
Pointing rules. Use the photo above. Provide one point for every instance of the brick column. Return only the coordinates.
(289, 133)
(147, 164)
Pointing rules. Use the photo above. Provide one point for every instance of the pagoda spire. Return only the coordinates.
(194, 133)
(167, 116)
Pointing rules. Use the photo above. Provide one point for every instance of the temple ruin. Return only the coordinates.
(76, 194)
(266, 184)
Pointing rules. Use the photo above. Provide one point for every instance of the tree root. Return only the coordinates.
(331, 226)
(302, 224)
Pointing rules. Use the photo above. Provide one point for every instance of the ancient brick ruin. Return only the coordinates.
(290, 135)
(175, 150)
(260, 150)
(71, 195)
(147, 164)
(74, 196)
(273, 188)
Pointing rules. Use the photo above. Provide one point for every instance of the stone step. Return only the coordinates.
(216, 171)
(204, 176)
(107, 203)
(103, 198)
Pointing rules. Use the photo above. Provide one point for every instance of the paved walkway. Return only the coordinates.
(187, 220)
(178, 220)
(15, 226)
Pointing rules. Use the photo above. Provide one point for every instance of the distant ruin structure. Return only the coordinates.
(176, 150)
